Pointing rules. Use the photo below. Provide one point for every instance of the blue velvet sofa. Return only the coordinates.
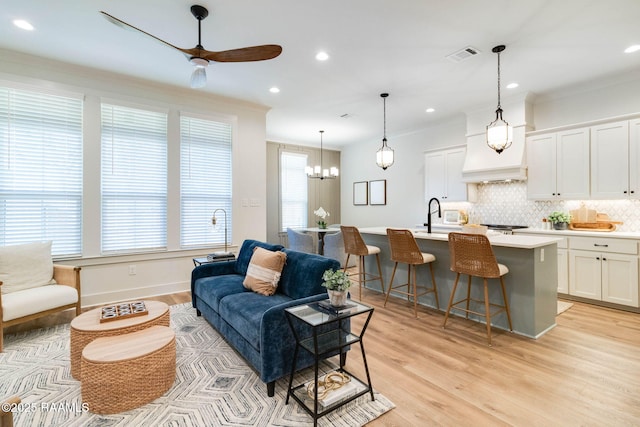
(254, 324)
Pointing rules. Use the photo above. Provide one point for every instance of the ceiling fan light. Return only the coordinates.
(198, 78)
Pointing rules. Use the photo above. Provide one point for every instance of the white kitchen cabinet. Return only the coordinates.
(563, 270)
(611, 162)
(558, 165)
(443, 176)
(634, 157)
(604, 269)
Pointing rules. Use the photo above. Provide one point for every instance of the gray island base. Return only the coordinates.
(531, 284)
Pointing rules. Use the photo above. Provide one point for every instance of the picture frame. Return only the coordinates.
(378, 192)
(360, 193)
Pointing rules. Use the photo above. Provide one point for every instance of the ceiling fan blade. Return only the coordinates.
(120, 23)
(245, 54)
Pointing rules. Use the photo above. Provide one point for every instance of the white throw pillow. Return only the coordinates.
(25, 266)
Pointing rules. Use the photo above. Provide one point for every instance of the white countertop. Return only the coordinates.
(496, 239)
(604, 234)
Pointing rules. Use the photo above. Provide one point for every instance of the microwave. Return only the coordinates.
(454, 217)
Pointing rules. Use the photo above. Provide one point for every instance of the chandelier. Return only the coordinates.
(318, 171)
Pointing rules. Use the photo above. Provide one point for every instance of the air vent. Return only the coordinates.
(346, 116)
(463, 54)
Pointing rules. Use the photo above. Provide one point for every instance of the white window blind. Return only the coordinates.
(134, 180)
(41, 170)
(205, 181)
(293, 190)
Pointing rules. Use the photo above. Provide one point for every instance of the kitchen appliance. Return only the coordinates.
(454, 217)
(504, 229)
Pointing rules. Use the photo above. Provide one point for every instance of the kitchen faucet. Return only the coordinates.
(429, 212)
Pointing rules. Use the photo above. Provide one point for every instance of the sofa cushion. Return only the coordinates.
(244, 313)
(25, 266)
(302, 274)
(212, 289)
(34, 300)
(246, 252)
(264, 271)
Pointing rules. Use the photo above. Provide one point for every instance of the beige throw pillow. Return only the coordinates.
(264, 271)
(25, 266)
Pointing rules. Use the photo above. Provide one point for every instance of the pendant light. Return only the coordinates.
(384, 156)
(318, 171)
(499, 132)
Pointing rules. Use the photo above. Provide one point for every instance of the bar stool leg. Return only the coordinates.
(390, 284)
(453, 293)
(380, 272)
(468, 296)
(435, 289)
(487, 308)
(415, 291)
(506, 303)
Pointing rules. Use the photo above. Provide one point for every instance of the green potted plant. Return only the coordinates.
(560, 220)
(337, 283)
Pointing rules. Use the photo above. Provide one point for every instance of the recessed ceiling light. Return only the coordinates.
(322, 56)
(633, 48)
(21, 23)
(274, 90)
(430, 110)
(512, 85)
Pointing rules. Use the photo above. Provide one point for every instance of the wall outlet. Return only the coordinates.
(542, 255)
(133, 270)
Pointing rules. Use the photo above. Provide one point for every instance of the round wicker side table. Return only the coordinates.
(124, 372)
(87, 327)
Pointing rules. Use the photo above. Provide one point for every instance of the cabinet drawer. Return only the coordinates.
(621, 246)
(562, 244)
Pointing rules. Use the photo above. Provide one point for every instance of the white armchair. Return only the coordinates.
(31, 286)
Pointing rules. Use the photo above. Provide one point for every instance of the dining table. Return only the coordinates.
(320, 232)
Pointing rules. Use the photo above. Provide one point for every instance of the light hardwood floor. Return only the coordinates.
(586, 371)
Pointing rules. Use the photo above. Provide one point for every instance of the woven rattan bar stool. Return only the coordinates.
(471, 254)
(404, 249)
(355, 245)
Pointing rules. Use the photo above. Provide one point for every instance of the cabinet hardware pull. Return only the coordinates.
(625, 191)
(598, 258)
(632, 191)
(604, 259)
(600, 246)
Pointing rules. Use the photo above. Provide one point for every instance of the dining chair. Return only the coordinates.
(405, 250)
(472, 254)
(354, 245)
(301, 242)
(6, 413)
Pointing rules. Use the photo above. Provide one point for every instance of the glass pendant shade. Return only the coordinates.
(499, 132)
(384, 156)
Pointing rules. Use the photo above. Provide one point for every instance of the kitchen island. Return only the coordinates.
(531, 284)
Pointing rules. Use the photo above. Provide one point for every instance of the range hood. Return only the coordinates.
(482, 164)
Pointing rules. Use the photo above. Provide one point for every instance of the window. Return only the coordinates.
(41, 170)
(205, 181)
(134, 180)
(293, 190)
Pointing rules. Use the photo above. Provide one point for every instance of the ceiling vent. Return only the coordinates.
(346, 116)
(463, 54)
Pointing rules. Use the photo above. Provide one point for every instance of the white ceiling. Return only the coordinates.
(375, 46)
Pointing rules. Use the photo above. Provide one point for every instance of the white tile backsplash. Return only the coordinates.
(506, 203)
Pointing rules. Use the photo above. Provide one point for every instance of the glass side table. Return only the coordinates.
(324, 343)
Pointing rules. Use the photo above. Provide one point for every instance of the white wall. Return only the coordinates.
(107, 279)
(405, 178)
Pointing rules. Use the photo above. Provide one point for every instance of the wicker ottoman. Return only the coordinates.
(124, 372)
(87, 327)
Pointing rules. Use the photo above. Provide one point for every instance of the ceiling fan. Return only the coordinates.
(200, 57)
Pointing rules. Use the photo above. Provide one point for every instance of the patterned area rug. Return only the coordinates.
(213, 387)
